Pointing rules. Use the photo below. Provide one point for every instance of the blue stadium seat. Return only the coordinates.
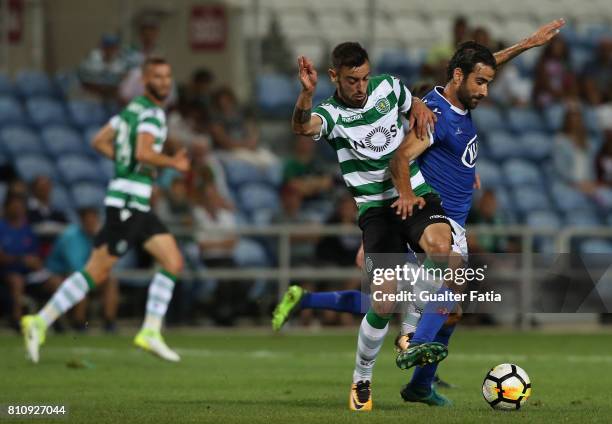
(568, 199)
(87, 113)
(44, 111)
(60, 140)
(78, 168)
(520, 173)
(275, 94)
(88, 195)
(490, 174)
(257, 196)
(60, 199)
(579, 57)
(239, 172)
(31, 166)
(503, 145)
(581, 218)
(591, 120)
(107, 167)
(34, 83)
(543, 219)
(530, 198)
(596, 246)
(554, 115)
(536, 146)
(6, 86)
(527, 119)
(324, 90)
(488, 118)
(90, 132)
(249, 253)
(11, 111)
(18, 140)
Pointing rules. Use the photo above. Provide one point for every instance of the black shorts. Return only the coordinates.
(385, 232)
(124, 228)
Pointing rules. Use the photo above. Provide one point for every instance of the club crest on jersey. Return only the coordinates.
(378, 139)
(382, 105)
(470, 153)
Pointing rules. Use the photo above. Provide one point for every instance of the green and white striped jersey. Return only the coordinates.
(366, 138)
(133, 182)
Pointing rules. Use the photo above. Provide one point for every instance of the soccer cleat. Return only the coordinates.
(421, 355)
(153, 342)
(361, 396)
(288, 303)
(431, 398)
(33, 328)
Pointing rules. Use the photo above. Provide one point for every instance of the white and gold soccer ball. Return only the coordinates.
(506, 387)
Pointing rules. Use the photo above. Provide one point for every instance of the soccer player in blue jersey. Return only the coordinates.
(448, 162)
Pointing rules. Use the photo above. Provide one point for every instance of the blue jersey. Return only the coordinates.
(448, 165)
(70, 251)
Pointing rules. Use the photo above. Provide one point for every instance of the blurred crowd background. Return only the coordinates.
(545, 151)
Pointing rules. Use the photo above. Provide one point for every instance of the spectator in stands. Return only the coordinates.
(603, 161)
(554, 79)
(235, 133)
(573, 154)
(439, 55)
(597, 75)
(69, 254)
(18, 187)
(19, 259)
(303, 172)
(199, 91)
(217, 250)
(486, 212)
(40, 210)
(104, 68)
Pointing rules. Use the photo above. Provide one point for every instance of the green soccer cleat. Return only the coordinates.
(33, 328)
(153, 342)
(291, 299)
(421, 355)
(431, 398)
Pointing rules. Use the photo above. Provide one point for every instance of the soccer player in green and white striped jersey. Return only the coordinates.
(134, 140)
(362, 122)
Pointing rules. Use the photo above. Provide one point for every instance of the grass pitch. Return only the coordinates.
(257, 377)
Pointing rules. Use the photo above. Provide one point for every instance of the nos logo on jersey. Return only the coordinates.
(470, 153)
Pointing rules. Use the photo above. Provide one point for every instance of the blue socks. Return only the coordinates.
(423, 376)
(434, 316)
(352, 301)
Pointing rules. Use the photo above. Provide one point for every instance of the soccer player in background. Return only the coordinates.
(431, 328)
(134, 140)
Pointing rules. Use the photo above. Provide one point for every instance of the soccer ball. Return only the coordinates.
(506, 387)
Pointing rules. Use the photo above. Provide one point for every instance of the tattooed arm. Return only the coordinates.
(303, 122)
(542, 36)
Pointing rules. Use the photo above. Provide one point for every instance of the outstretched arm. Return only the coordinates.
(542, 36)
(303, 121)
(412, 146)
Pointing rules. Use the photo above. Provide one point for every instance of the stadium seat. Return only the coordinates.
(239, 172)
(490, 174)
(596, 246)
(276, 94)
(488, 119)
(60, 140)
(88, 195)
(529, 198)
(257, 196)
(44, 111)
(249, 253)
(11, 111)
(107, 167)
(34, 83)
(502, 145)
(78, 168)
(581, 218)
(31, 166)
(60, 199)
(3, 189)
(6, 86)
(591, 120)
(526, 119)
(536, 146)
(568, 199)
(325, 89)
(543, 219)
(87, 113)
(18, 140)
(520, 173)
